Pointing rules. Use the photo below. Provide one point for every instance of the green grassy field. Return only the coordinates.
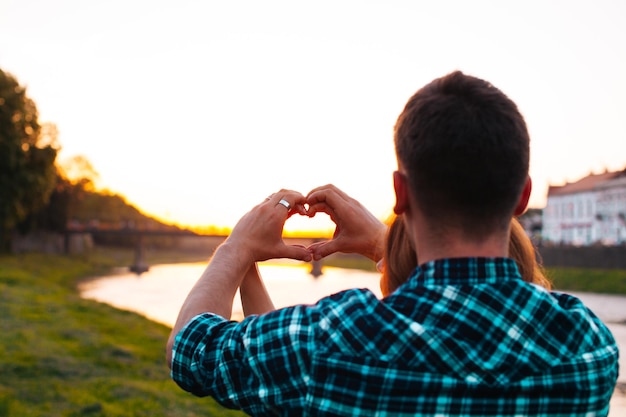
(61, 355)
(609, 281)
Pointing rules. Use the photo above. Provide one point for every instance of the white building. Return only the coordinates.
(589, 211)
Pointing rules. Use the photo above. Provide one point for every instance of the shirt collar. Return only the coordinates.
(466, 271)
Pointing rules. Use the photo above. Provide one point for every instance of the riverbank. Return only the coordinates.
(61, 355)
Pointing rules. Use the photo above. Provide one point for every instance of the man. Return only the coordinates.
(464, 336)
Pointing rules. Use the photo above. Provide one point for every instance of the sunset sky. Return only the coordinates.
(197, 110)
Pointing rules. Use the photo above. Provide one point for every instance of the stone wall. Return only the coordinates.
(48, 242)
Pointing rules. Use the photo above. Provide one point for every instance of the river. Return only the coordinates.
(159, 293)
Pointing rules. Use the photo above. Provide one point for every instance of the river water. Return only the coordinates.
(159, 294)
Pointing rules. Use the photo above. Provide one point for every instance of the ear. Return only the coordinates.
(400, 187)
(522, 204)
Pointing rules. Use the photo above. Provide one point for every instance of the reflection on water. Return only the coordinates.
(159, 294)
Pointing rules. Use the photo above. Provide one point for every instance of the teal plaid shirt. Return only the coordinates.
(462, 337)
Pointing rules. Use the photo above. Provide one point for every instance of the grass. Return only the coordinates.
(350, 261)
(608, 281)
(61, 355)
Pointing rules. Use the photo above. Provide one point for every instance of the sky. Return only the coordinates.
(198, 110)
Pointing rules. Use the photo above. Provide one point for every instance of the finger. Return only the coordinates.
(328, 193)
(285, 203)
(320, 188)
(321, 250)
(313, 247)
(288, 199)
(327, 201)
(284, 193)
(320, 208)
(296, 252)
(326, 188)
(301, 210)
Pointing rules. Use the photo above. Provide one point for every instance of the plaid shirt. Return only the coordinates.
(461, 337)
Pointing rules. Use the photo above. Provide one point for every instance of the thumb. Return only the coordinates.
(322, 249)
(296, 252)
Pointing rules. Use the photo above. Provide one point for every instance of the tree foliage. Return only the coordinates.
(75, 179)
(79, 170)
(27, 169)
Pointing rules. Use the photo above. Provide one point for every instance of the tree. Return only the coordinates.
(27, 170)
(75, 179)
(79, 170)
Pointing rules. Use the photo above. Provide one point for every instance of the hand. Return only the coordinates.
(258, 234)
(357, 229)
(256, 237)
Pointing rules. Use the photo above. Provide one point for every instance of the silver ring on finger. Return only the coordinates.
(285, 203)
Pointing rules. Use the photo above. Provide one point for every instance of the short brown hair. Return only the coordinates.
(465, 148)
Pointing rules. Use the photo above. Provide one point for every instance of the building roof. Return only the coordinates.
(587, 183)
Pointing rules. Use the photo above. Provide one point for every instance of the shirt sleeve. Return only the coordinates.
(256, 364)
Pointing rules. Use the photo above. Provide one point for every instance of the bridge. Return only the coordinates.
(139, 264)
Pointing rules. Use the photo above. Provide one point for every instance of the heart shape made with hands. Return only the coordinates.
(294, 229)
(350, 237)
(298, 222)
(356, 229)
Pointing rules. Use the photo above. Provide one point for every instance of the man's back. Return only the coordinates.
(471, 344)
(456, 339)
